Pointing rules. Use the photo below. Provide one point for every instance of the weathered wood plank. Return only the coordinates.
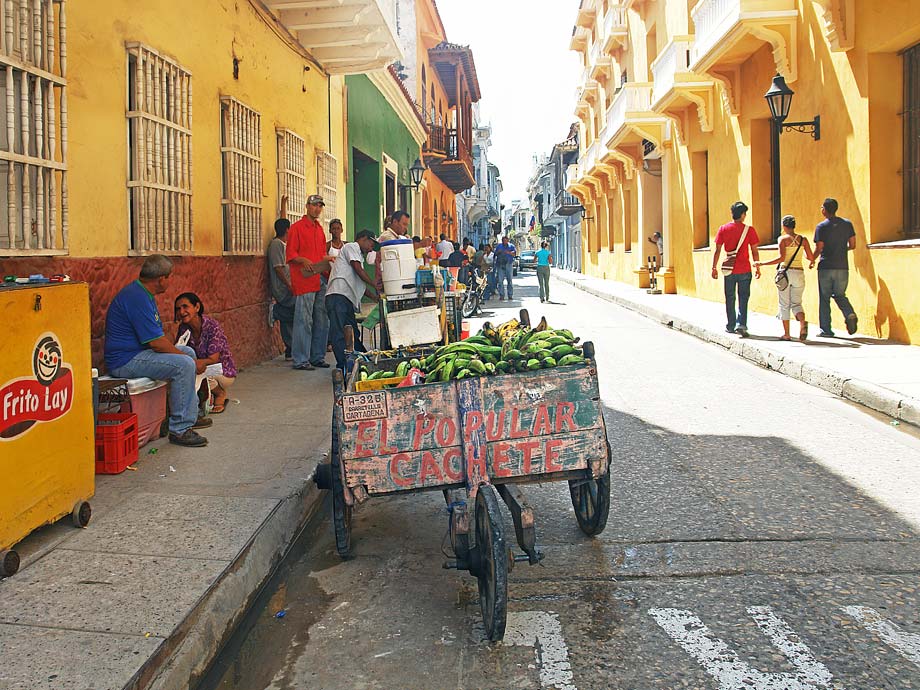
(413, 419)
(407, 471)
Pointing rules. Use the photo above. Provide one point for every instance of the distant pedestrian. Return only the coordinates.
(834, 237)
(544, 261)
(456, 257)
(658, 241)
(488, 267)
(468, 248)
(334, 246)
(504, 267)
(445, 248)
(791, 276)
(740, 241)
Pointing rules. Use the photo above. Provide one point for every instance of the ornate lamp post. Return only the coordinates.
(779, 98)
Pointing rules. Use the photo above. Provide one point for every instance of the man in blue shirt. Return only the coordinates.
(544, 260)
(135, 346)
(834, 238)
(504, 267)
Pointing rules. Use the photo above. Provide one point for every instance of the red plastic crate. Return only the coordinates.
(116, 442)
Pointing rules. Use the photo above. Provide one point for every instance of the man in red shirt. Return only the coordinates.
(738, 237)
(306, 255)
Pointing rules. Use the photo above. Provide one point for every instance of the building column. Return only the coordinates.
(667, 282)
(638, 246)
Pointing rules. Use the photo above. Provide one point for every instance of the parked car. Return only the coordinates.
(528, 260)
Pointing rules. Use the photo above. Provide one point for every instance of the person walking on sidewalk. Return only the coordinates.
(790, 281)
(740, 241)
(279, 279)
(136, 346)
(544, 261)
(306, 255)
(834, 237)
(504, 267)
(348, 283)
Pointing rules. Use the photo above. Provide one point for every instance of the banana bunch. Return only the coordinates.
(503, 349)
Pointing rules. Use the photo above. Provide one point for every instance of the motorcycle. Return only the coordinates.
(475, 288)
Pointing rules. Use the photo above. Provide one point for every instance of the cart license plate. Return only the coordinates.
(360, 406)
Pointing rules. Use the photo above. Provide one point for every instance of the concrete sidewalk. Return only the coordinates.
(880, 374)
(147, 593)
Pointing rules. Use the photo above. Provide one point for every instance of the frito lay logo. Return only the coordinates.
(43, 397)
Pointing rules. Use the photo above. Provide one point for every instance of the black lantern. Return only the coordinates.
(416, 173)
(779, 98)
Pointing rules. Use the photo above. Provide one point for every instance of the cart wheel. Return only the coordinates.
(81, 514)
(493, 563)
(591, 500)
(9, 563)
(341, 511)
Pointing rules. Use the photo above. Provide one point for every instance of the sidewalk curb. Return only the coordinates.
(864, 393)
(186, 655)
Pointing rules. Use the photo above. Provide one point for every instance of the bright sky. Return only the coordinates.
(527, 75)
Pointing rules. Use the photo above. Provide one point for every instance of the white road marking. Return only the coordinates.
(727, 668)
(905, 643)
(543, 632)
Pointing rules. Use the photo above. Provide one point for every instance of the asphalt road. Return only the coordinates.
(763, 535)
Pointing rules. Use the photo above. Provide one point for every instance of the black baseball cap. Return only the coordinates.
(369, 234)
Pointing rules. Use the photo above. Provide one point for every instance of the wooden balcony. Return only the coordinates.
(728, 32)
(675, 87)
(450, 158)
(345, 36)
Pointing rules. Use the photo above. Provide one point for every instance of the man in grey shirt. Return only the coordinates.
(348, 282)
(279, 278)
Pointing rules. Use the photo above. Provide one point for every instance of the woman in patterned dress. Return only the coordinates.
(207, 339)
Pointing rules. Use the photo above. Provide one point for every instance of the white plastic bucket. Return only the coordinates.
(397, 267)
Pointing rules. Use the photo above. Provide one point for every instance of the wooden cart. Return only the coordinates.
(476, 440)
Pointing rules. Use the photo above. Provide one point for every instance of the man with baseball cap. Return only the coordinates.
(306, 255)
(348, 283)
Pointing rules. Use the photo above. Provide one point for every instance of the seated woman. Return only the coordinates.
(207, 339)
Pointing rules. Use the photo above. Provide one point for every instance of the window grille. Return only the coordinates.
(241, 157)
(912, 141)
(292, 179)
(160, 153)
(33, 128)
(326, 176)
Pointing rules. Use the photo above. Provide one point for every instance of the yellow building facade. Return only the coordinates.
(175, 128)
(675, 128)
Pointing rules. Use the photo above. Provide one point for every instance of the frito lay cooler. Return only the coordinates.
(46, 411)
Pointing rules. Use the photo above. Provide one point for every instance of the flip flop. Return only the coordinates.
(217, 409)
(784, 338)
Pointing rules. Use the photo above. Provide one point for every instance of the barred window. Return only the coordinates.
(327, 172)
(33, 128)
(241, 149)
(160, 153)
(292, 178)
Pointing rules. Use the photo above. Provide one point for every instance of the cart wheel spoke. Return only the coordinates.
(493, 572)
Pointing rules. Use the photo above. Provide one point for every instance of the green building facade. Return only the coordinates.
(381, 149)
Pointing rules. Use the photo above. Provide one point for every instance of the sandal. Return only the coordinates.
(217, 409)
(784, 338)
(803, 333)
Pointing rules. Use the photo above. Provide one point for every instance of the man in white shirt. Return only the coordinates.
(348, 282)
(445, 248)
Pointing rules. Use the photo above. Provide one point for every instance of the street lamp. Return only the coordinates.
(779, 98)
(416, 172)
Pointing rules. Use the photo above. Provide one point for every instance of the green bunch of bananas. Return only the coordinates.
(503, 349)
